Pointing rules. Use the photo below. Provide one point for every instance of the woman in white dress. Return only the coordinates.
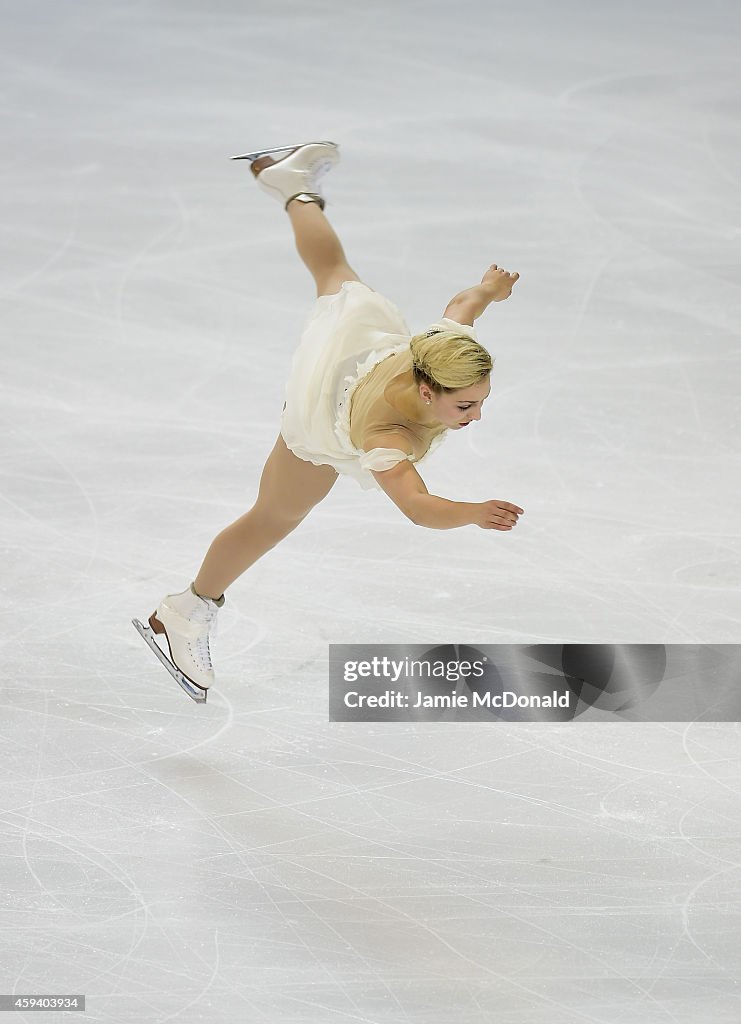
(364, 399)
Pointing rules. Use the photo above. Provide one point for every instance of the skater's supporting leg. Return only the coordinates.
(319, 247)
(289, 489)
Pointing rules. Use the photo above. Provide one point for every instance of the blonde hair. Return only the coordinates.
(448, 361)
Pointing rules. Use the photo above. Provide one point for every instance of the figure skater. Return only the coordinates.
(364, 398)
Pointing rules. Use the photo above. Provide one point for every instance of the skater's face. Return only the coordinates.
(456, 409)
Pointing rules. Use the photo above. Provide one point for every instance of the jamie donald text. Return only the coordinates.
(506, 699)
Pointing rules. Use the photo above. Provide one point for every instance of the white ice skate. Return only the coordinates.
(293, 172)
(184, 621)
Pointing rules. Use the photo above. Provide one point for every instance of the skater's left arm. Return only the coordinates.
(496, 285)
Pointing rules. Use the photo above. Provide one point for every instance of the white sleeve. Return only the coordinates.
(379, 459)
(451, 325)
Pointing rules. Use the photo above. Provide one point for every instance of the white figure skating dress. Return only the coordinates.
(344, 339)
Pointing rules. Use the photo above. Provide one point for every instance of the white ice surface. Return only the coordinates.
(247, 861)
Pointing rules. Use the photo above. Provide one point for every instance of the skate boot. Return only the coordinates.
(293, 172)
(185, 621)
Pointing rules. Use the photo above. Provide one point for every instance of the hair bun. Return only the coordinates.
(448, 360)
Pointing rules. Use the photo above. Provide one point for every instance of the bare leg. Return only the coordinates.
(289, 489)
(319, 247)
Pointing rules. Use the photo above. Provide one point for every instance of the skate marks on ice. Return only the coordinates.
(195, 693)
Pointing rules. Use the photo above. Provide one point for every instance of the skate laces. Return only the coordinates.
(203, 653)
(317, 172)
(206, 616)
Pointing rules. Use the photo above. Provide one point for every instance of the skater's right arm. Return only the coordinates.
(407, 490)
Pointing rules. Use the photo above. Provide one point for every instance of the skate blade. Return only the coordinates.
(281, 149)
(194, 692)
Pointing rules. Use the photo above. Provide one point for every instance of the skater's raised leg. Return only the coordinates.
(289, 489)
(319, 247)
(294, 178)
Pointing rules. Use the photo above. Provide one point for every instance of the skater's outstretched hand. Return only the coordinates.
(500, 282)
(495, 515)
